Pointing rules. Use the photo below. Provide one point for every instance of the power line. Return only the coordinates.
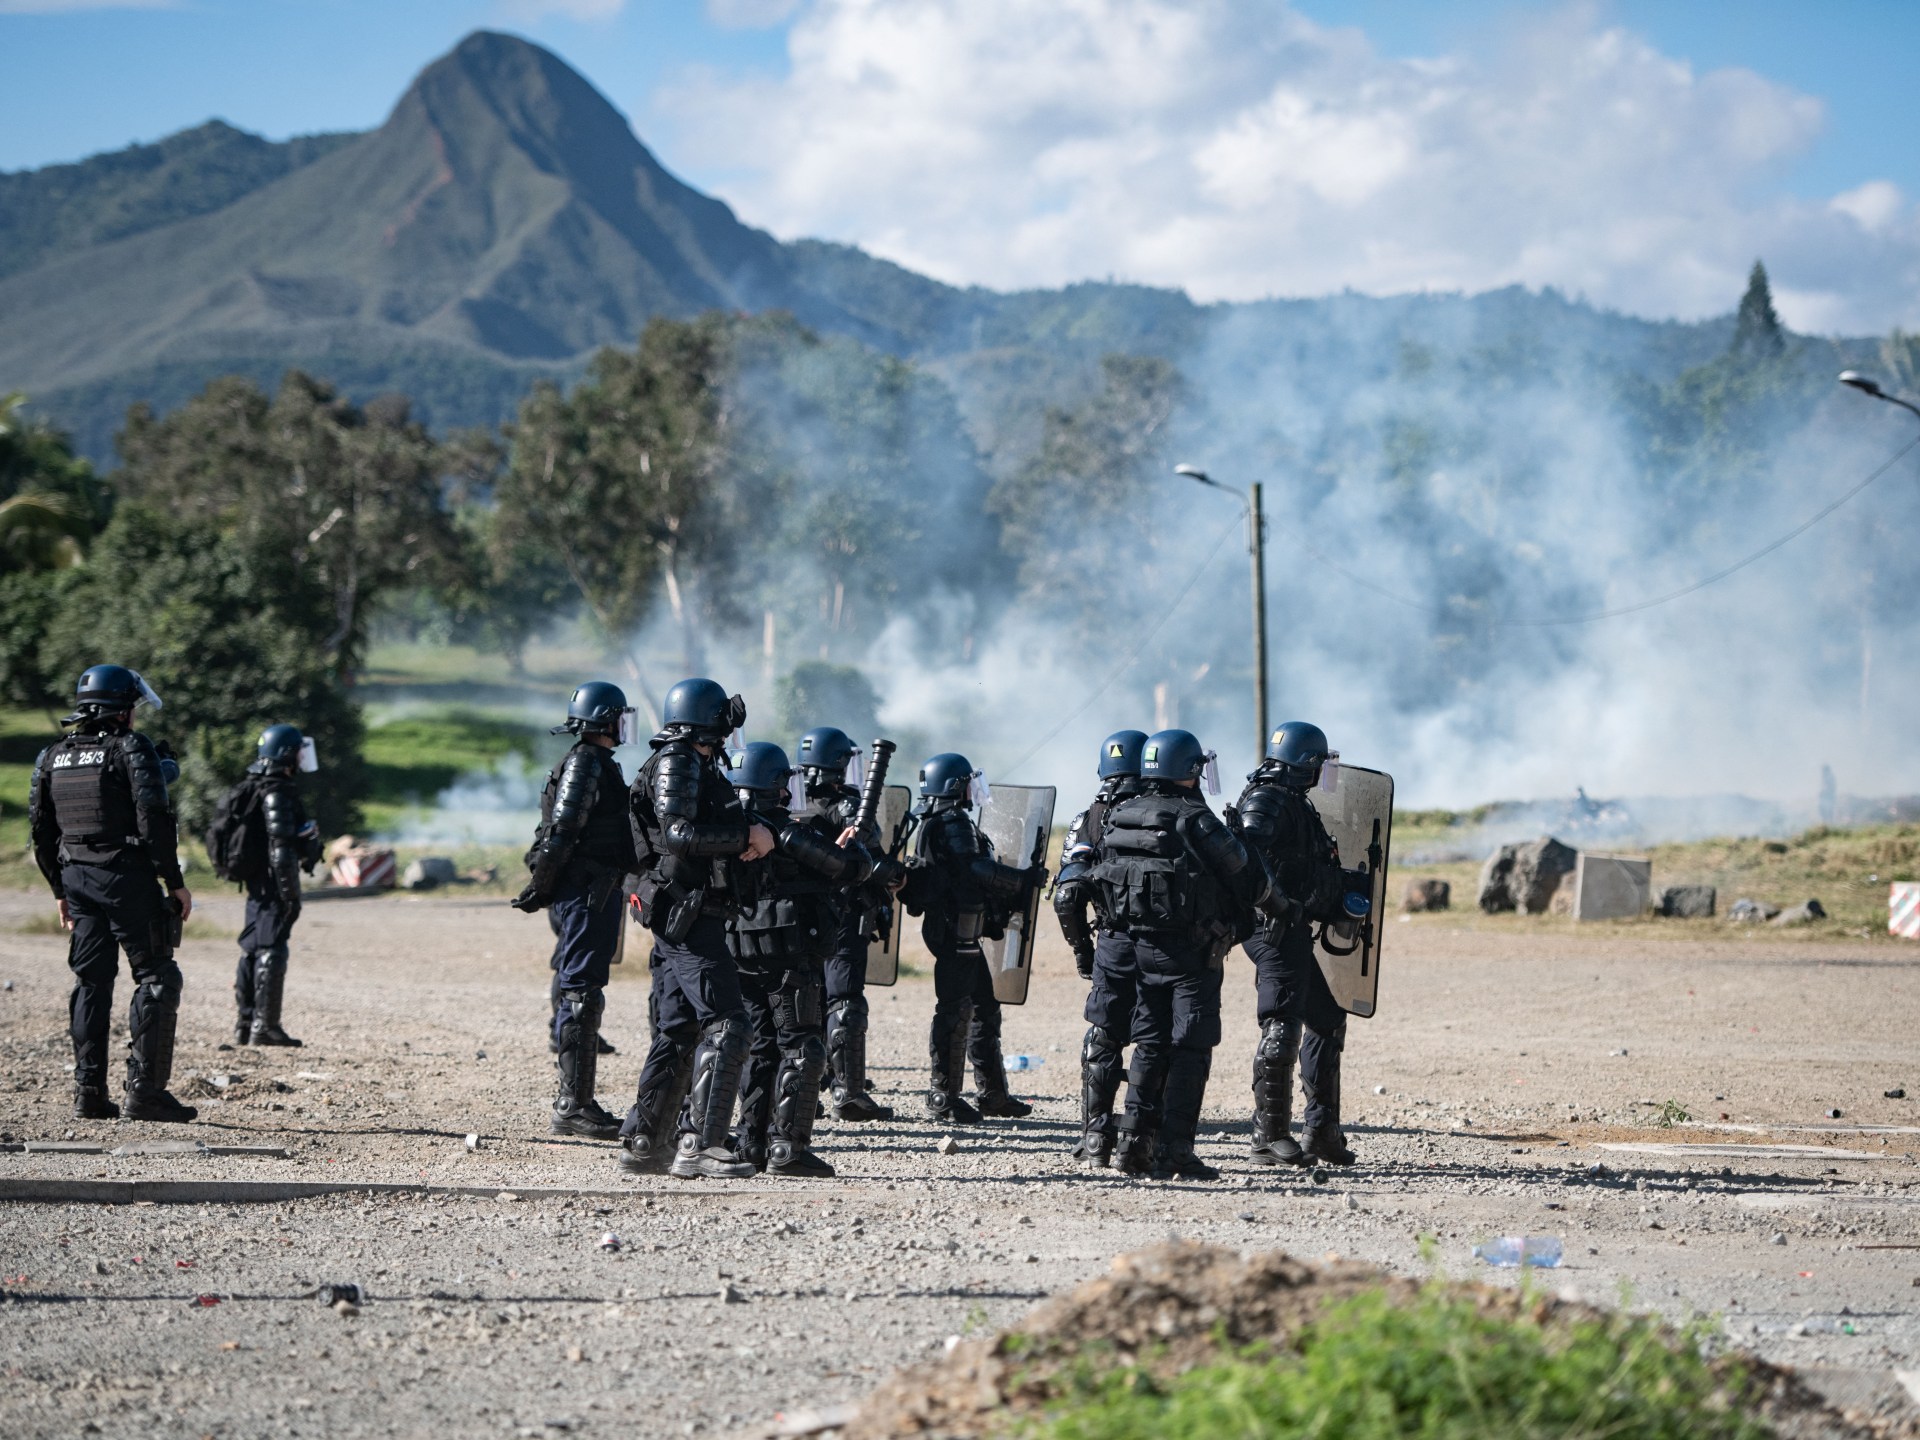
(1616, 612)
(1134, 654)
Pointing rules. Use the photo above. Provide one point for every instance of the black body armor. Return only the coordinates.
(955, 880)
(1075, 889)
(798, 907)
(1280, 823)
(689, 830)
(291, 848)
(583, 817)
(99, 797)
(1169, 868)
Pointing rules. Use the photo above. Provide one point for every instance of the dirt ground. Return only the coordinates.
(1514, 1082)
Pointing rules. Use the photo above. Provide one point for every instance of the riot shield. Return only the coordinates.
(883, 952)
(1356, 805)
(1018, 819)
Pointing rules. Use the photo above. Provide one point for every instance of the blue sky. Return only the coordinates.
(772, 105)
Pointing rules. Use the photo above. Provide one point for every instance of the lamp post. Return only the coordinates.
(1867, 385)
(1257, 548)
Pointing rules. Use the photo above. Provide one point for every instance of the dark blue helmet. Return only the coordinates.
(1172, 756)
(1297, 750)
(110, 687)
(1120, 753)
(596, 708)
(826, 748)
(762, 766)
(946, 777)
(703, 709)
(281, 744)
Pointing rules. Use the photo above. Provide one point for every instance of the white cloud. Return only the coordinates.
(1237, 149)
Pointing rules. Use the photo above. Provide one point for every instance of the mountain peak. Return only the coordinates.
(547, 106)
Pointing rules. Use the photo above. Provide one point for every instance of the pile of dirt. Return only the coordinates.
(1181, 1305)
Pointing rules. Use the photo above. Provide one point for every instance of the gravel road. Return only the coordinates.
(1514, 1083)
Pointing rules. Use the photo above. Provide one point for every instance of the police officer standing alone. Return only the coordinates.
(693, 839)
(955, 881)
(273, 887)
(1182, 890)
(1279, 821)
(104, 837)
(1106, 961)
(834, 804)
(581, 853)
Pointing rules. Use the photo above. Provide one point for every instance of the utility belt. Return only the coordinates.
(671, 907)
(98, 849)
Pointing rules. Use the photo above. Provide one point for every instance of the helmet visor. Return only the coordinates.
(1330, 772)
(979, 793)
(735, 715)
(147, 695)
(856, 771)
(627, 730)
(796, 790)
(1210, 774)
(309, 755)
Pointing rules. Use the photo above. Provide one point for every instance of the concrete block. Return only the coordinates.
(1611, 887)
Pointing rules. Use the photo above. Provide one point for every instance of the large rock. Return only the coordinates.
(430, 872)
(1427, 894)
(1610, 887)
(1687, 902)
(1524, 875)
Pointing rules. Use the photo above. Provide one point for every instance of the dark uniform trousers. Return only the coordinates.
(846, 963)
(782, 997)
(1176, 1025)
(1116, 985)
(268, 927)
(960, 976)
(117, 906)
(696, 983)
(1289, 986)
(585, 935)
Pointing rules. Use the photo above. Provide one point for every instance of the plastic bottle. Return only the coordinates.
(1025, 1062)
(1540, 1252)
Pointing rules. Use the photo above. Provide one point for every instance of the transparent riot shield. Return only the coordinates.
(1356, 805)
(1018, 820)
(883, 948)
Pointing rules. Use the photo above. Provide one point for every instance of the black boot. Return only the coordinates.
(1099, 1082)
(948, 1055)
(796, 1095)
(575, 1110)
(243, 998)
(90, 1102)
(990, 1072)
(150, 1023)
(703, 1147)
(847, 1056)
(1133, 1148)
(1320, 1096)
(647, 1133)
(1174, 1159)
(1273, 1142)
(269, 984)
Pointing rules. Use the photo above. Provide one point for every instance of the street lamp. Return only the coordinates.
(1256, 546)
(1867, 385)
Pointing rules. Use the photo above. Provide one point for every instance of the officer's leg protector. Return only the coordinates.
(269, 986)
(796, 1097)
(1187, 1071)
(151, 1019)
(990, 1066)
(703, 1147)
(1100, 1076)
(647, 1133)
(243, 999)
(1273, 1060)
(847, 1059)
(94, 959)
(575, 1110)
(1320, 1095)
(553, 1012)
(1146, 1092)
(947, 1050)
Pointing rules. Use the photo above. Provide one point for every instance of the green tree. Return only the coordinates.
(817, 692)
(1757, 331)
(227, 635)
(348, 497)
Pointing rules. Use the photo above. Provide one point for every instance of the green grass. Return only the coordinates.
(1438, 1368)
(412, 759)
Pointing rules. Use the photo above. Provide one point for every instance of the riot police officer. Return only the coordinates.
(692, 836)
(104, 837)
(1299, 1019)
(1182, 889)
(963, 891)
(781, 942)
(1107, 962)
(581, 853)
(833, 803)
(273, 889)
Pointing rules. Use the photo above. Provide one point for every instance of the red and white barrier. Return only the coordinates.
(365, 870)
(1903, 909)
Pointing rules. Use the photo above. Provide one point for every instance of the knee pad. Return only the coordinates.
(587, 1005)
(811, 1052)
(1100, 1046)
(851, 1011)
(1279, 1043)
(729, 1036)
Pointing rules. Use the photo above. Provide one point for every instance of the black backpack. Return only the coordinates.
(237, 838)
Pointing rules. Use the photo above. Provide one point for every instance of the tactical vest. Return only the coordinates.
(92, 799)
(1148, 876)
(793, 912)
(948, 842)
(722, 877)
(606, 838)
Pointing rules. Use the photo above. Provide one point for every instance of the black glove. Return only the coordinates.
(1037, 876)
(1083, 962)
(887, 871)
(530, 901)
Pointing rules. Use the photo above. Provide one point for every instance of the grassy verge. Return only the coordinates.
(1438, 1368)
